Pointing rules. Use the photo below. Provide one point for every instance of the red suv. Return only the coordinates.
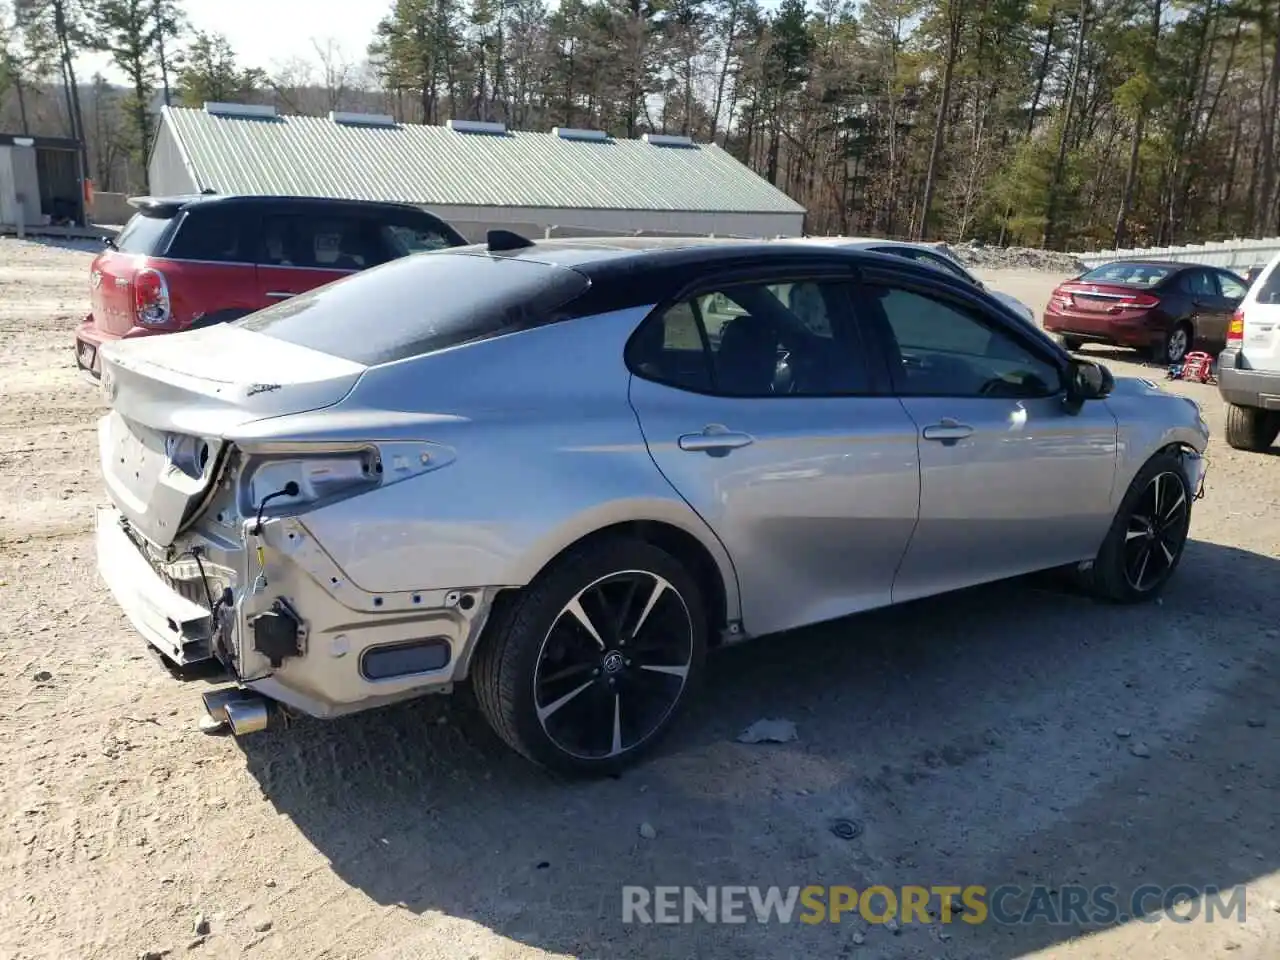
(185, 262)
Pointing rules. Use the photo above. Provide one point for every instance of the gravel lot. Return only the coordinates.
(974, 738)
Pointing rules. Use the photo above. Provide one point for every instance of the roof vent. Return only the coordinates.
(240, 110)
(476, 126)
(569, 133)
(362, 119)
(667, 140)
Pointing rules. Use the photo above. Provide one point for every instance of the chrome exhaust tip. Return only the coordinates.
(247, 716)
(243, 712)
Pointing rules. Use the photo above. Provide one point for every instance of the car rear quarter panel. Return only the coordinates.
(199, 290)
(545, 450)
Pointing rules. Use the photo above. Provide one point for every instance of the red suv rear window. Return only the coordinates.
(143, 234)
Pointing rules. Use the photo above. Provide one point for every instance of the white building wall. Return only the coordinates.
(169, 171)
(1232, 254)
(19, 186)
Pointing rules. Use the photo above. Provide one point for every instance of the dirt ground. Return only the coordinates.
(976, 739)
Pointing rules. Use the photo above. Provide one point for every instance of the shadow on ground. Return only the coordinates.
(1105, 354)
(1012, 734)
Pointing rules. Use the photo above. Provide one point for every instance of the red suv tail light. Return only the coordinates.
(151, 298)
(1235, 331)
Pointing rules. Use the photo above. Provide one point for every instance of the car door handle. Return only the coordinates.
(948, 431)
(716, 443)
(280, 294)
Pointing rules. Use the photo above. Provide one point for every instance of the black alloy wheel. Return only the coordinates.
(613, 665)
(586, 668)
(1156, 532)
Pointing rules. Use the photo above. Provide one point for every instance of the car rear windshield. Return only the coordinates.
(142, 234)
(419, 304)
(1130, 274)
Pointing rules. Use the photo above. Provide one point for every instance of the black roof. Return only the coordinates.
(602, 255)
(631, 271)
(168, 206)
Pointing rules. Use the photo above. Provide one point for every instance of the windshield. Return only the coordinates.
(419, 304)
(1130, 274)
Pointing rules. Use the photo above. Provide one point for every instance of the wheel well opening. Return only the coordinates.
(685, 548)
(1179, 450)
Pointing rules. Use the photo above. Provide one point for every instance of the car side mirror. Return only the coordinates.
(1090, 381)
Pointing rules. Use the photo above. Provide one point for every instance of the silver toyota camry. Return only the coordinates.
(562, 472)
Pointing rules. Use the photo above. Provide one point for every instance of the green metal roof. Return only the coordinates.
(435, 165)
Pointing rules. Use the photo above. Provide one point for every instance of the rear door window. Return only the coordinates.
(220, 233)
(143, 234)
(403, 239)
(1199, 283)
(322, 241)
(756, 340)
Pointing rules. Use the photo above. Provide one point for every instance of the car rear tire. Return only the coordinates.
(589, 666)
(1070, 344)
(1249, 428)
(1148, 535)
(1174, 346)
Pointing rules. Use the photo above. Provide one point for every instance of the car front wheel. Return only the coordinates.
(589, 666)
(1148, 535)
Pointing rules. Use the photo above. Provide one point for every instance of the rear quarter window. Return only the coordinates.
(1269, 286)
(143, 234)
(420, 304)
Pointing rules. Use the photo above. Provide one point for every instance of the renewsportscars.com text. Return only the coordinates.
(1009, 904)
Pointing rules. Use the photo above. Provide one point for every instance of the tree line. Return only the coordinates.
(1061, 123)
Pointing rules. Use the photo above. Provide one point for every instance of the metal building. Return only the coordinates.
(41, 182)
(475, 175)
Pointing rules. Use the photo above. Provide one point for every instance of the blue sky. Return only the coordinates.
(264, 32)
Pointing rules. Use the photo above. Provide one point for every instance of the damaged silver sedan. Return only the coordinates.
(561, 472)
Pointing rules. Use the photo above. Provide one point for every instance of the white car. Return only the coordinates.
(1249, 367)
(930, 255)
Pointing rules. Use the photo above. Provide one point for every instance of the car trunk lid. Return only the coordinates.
(1104, 298)
(175, 397)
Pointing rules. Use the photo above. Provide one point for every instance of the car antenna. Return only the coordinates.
(499, 240)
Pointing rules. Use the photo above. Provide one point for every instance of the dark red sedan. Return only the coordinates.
(1159, 308)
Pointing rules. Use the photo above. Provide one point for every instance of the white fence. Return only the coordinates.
(1233, 254)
